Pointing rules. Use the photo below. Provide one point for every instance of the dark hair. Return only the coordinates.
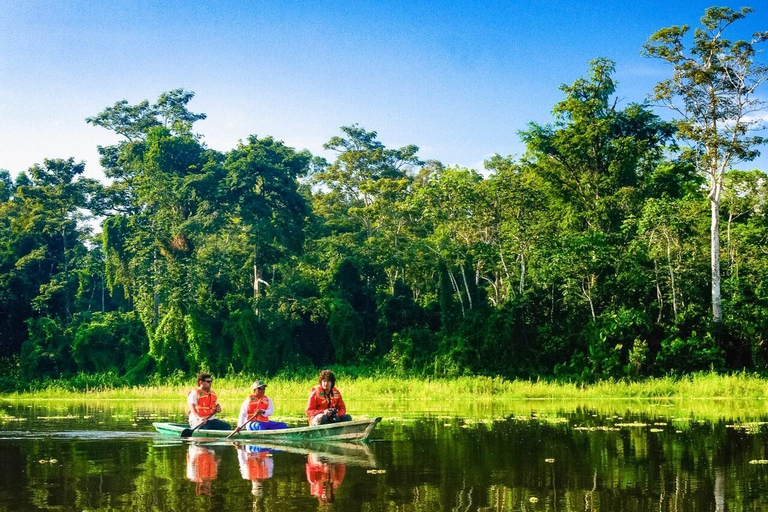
(203, 376)
(327, 375)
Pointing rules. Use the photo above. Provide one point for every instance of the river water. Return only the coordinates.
(528, 457)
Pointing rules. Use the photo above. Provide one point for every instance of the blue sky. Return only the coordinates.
(458, 79)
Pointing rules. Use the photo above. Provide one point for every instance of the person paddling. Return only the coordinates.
(256, 410)
(202, 403)
(325, 404)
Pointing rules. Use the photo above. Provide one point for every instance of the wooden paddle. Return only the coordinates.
(238, 429)
(187, 432)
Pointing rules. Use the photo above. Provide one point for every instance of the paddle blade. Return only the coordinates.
(187, 432)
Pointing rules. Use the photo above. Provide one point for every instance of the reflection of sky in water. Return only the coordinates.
(537, 457)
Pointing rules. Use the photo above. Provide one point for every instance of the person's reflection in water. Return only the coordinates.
(256, 465)
(324, 478)
(202, 467)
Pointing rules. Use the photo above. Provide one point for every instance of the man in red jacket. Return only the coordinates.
(325, 404)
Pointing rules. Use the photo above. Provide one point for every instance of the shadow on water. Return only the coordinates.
(535, 457)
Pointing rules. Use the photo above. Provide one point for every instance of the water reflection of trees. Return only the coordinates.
(504, 466)
(431, 464)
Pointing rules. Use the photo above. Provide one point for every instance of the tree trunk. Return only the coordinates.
(552, 308)
(587, 291)
(506, 270)
(659, 295)
(466, 286)
(256, 290)
(456, 289)
(66, 271)
(671, 275)
(155, 294)
(257, 282)
(731, 257)
(717, 310)
(719, 489)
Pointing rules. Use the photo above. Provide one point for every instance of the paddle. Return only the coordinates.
(187, 432)
(238, 429)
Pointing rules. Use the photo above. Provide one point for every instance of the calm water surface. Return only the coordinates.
(107, 457)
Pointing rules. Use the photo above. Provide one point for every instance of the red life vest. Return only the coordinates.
(206, 402)
(258, 404)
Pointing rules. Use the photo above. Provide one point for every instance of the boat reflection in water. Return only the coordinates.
(324, 477)
(325, 467)
(256, 465)
(202, 467)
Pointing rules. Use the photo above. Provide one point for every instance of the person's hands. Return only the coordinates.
(329, 412)
(205, 420)
(218, 408)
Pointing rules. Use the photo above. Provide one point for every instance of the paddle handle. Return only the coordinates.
(198, 425)
(203, 423)
(238, 429)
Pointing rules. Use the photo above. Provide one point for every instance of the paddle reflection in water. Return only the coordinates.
(202, 467)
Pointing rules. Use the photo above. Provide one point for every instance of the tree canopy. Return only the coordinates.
(589, 257)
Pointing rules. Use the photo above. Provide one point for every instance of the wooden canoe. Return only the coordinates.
(354, 431)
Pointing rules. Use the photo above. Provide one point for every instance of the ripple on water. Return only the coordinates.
(85, 435)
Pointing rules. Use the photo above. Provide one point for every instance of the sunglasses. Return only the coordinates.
(208, 381)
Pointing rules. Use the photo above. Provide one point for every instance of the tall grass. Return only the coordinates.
(295, 386)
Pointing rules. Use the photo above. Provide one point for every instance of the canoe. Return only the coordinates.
(354, 431)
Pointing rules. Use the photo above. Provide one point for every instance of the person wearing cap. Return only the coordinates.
(257, 409)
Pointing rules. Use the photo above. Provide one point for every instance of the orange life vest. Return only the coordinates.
(258, 404)
(206, 402)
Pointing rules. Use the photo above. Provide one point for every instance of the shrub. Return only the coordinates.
(690, 354)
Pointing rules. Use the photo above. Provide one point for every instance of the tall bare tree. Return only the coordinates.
(712, 89)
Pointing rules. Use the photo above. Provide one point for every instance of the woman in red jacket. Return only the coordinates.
(325, 404)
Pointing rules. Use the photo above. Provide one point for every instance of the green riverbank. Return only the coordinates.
(698, 397)
(696, 386)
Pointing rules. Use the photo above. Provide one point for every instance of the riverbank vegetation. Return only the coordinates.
(586, 259)
(385, 387)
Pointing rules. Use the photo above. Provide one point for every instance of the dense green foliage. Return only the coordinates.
(586, 259)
